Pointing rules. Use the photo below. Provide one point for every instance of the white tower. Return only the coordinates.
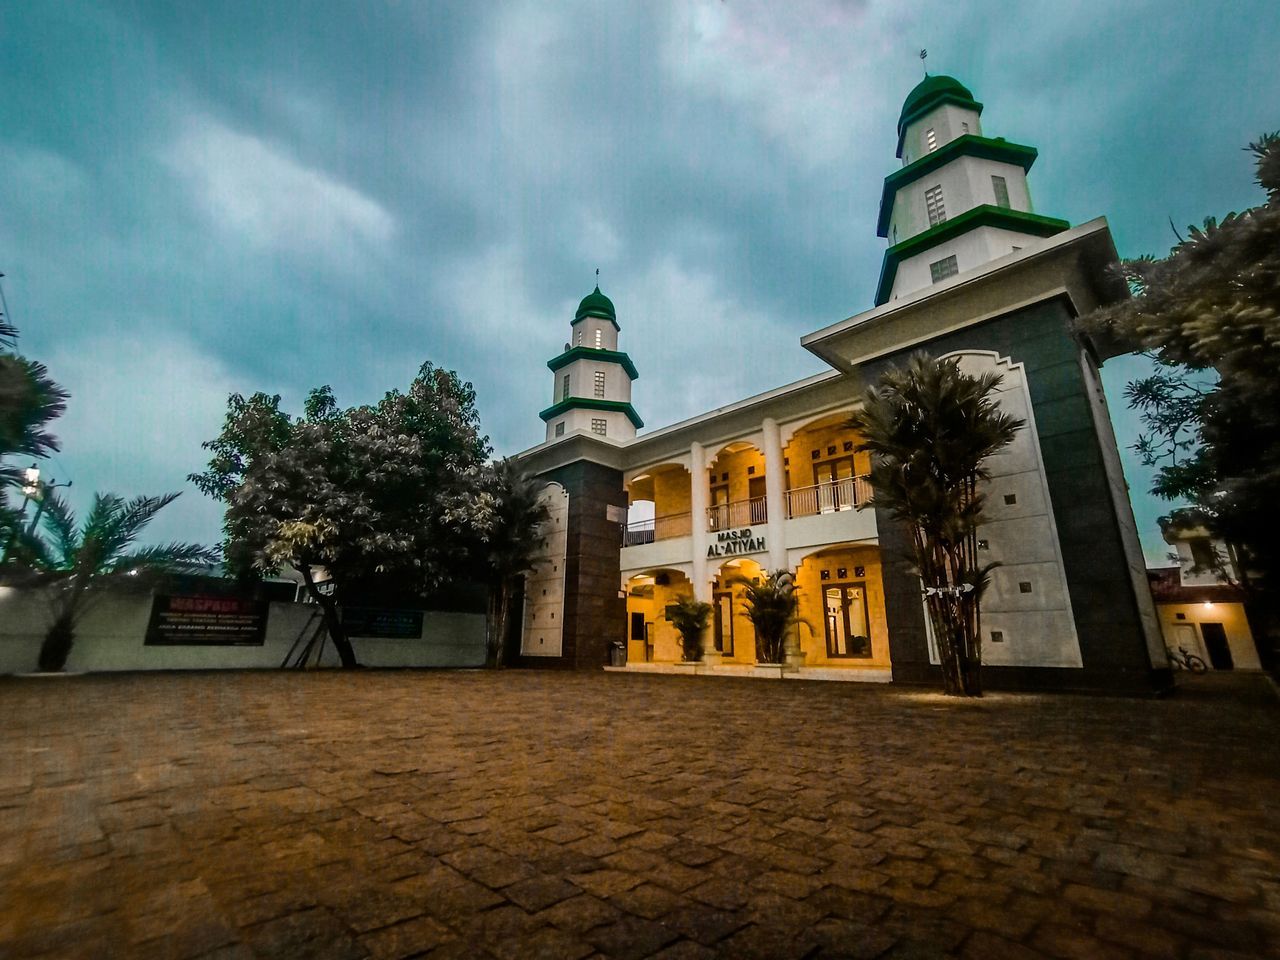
(591, 380)
(960, 199)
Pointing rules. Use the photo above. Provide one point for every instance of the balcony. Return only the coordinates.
(737, 514)
(640, 532)
(831, 496)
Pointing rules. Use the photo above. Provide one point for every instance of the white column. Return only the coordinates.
(699, 495)
(775, 494)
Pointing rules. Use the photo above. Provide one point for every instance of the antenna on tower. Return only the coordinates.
(924, 54)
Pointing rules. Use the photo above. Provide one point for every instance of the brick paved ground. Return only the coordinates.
(535, 815)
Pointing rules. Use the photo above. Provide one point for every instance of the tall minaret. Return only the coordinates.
(960, 199)
(591, 380)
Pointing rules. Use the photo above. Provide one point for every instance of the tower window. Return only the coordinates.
(599, 383)
(599, 338)
(943, 268)
(933, 203)
(1001, 190)
(564, 390)
(560, 429)
(600, 426)
(931, 140)
(577, 338)
(964, 127)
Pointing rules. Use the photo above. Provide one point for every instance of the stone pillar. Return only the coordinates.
(775, 494)
(699, 497)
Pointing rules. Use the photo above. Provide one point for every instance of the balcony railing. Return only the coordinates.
(738, 513)
(659, 528)
(828, 497)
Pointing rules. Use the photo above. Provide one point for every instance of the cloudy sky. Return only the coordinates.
(198, 198)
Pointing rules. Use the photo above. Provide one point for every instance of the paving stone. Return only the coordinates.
(304, 815)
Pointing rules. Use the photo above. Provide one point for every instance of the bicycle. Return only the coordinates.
(1184, 659)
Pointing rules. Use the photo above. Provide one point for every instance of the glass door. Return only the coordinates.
(834, 479)
(845, 616)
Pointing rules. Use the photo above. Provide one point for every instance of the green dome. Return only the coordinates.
(933, 90)
(596, 304)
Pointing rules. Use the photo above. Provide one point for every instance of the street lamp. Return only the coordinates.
(33, 488)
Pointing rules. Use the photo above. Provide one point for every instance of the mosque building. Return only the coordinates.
(776, 481)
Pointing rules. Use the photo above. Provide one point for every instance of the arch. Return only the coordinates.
(650, 636)
(658, 504)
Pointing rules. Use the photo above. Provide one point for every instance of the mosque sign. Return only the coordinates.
(206, 622)
(732, 543)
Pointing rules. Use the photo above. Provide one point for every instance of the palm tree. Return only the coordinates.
(77, 562)
(930, 429)
(29, 401)
(689, 617)
(514, 525)
(771, 606)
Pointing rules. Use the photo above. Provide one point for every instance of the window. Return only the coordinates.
(943, 268)
(1203, 556)
(599, 338)
(577, 338)
(933, 203)
(564, 390)
(1001, 190)
(599, 378)
(560, 429)
(931, 140)
(600, 426)
(964, 128)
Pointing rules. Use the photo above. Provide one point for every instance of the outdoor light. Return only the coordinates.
(1208, 605)
(31, 481)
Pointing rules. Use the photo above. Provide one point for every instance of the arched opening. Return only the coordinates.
(737, 487)
(825, 472)
(651, 637)
(842, 605)
(731, 632)
(658, 505)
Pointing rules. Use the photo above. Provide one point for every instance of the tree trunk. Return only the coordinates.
(57, 644)
(496, 624)
(333, 623)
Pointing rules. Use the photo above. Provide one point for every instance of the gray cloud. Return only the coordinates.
(196, 198)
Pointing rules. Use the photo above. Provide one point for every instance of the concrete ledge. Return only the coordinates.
(762, 671)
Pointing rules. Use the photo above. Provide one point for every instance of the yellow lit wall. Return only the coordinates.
(800, 452)
(671, 492)
(1244, 653)
(744, 642)
(813, 640)
(662, 633)
(736, 465)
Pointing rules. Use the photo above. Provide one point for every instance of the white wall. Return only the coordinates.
(110, 637)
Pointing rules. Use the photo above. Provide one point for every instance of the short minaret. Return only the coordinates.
(591, 391)
(960, 199)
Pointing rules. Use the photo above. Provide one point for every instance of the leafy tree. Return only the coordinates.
(355, 493)
(690, 618)
(930, 428)
(77, 562)
(1209, 315)
(772, 606)
(497, 518)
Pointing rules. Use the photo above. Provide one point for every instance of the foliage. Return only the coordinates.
(352, 493)
(1209, 314)
(771, 605)
(496, 518)
(690, 617)
(930, 428)
(76, 562)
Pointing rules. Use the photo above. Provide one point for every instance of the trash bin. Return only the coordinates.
(618, 654)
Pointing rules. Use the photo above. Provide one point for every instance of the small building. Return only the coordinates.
(776, 481)
(1200, 601)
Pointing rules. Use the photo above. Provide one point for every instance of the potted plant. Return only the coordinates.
(690, 616)
(771, 605)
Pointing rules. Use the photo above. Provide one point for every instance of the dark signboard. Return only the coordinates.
(207, 621)
(383, 622)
